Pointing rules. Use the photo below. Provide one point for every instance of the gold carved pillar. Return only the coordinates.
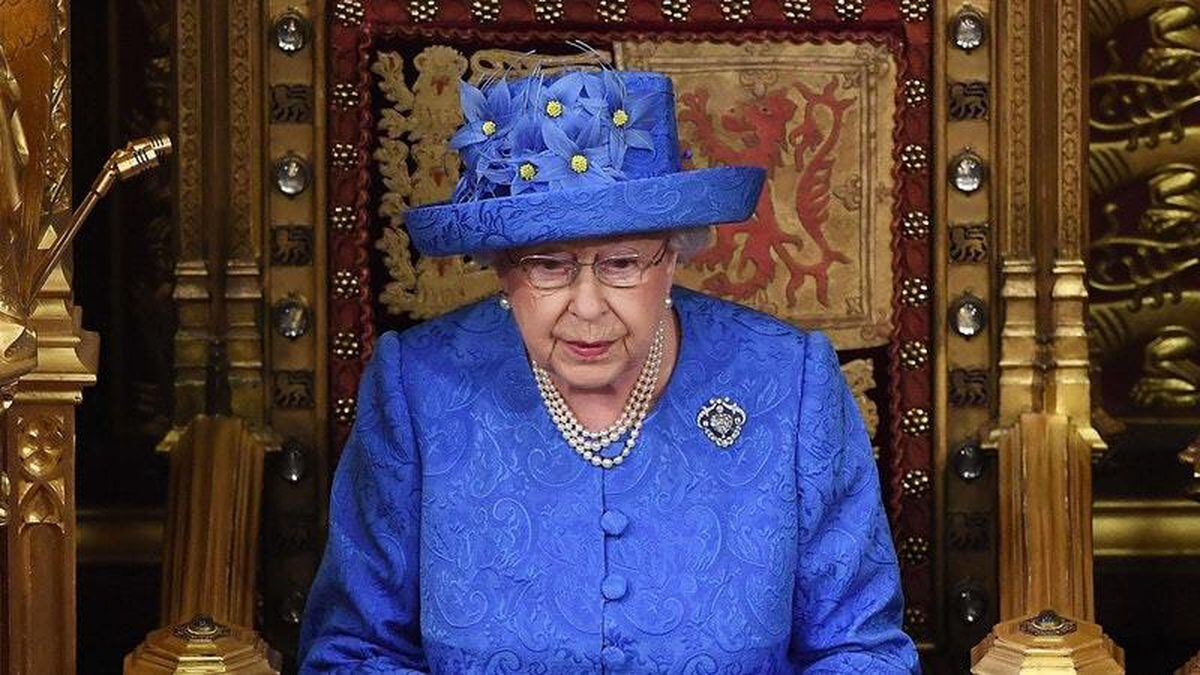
(219, 194)
(1044, 436)
(37, 426)
(250, 281)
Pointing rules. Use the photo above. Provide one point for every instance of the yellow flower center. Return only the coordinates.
(554, 107)
(620, 118)
(579, 163)
(489, 128)
(527, 171)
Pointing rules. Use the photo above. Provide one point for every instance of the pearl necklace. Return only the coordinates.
(588, 444)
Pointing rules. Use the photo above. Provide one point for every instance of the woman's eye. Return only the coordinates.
(549, 265)
(621, 264)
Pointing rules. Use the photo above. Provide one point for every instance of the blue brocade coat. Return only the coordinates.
(467, 537)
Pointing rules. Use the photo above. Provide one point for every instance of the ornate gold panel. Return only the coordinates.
(1144, 166)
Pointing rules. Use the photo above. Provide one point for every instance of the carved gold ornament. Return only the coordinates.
(36, 225)
(19, 229)
(14, 150)
(1170, 371)
(41, 492)
(1144, 249)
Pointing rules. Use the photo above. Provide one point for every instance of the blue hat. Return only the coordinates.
(577, 156)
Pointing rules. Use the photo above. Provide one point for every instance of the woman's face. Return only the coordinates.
(589, 335)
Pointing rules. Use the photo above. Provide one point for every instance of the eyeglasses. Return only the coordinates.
(621, 270)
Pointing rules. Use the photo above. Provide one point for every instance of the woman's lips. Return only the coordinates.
(589, 351)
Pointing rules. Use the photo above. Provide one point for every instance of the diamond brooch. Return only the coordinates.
(722, 421)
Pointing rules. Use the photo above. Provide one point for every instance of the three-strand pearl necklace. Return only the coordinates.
(588, 444)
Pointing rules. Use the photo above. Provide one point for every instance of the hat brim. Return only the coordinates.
(694, 198)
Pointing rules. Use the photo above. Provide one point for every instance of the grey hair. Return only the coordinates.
(686, 242)
(690, 241)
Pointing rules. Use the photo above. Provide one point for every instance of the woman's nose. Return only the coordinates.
(587, 296)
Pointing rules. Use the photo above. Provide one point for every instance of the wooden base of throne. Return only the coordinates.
(203, 646)
(1047, 643)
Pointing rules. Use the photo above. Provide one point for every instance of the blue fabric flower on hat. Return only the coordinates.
(488, 119)
(577, 162)
(546, 132)
(555, 104)
(625, 119)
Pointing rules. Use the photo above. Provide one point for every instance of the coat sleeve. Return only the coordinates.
(847, 603)
(363, 611)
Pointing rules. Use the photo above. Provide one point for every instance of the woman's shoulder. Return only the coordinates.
(715, 320)
(474, 335)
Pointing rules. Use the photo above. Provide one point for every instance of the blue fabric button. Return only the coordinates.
(612, 657)
(613, 521)
(614, 586)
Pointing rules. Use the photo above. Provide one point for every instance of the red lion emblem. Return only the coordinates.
(761, 127)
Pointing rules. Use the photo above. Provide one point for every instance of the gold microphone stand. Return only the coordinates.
(134, 159)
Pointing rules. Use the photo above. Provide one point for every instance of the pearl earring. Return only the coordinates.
(504, 303)
(668, 302)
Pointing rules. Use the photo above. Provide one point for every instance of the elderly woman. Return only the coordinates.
(596, 471)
